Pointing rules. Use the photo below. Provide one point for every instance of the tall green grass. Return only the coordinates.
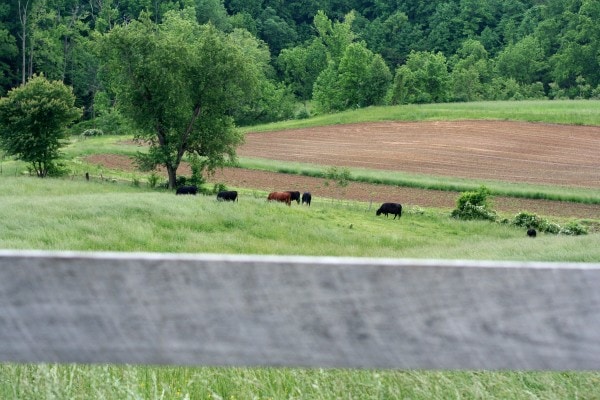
(572, 112)
(83, 382)
(77, 215)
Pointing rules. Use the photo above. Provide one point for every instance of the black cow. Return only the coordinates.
(294, 196)
(531, 232)
(390, 208)
(306, 198)
(187, 190)
(227, 195)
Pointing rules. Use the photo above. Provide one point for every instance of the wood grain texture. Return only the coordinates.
(298, 311)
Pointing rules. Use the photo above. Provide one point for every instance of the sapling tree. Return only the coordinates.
(33, 121)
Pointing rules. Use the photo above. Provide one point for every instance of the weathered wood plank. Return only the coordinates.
(297, 311)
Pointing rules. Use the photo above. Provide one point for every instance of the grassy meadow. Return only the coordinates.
(124, 214)
(59, 214)
(570, 112)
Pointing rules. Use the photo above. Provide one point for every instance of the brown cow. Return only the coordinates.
(283, 197)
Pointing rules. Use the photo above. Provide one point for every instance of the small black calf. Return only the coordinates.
(306, 198)
(227, 195)
(187, 190)
(531, 232)
(294, 196)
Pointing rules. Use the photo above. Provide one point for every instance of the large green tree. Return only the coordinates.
(179, 82)
(33, 118)
(423, 79)
(301, 65)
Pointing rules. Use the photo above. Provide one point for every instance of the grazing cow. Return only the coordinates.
(227, 195)
(294, 196)
(187, 190)
(390, 208)
(283, 197)
(306, 198)
(531, 232)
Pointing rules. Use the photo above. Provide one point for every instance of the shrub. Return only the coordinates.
(153, 180)
(302, 114)
(478, 197)
(196, 165)
(573, 228)
(474, 205)
(92, 132)
(529, 220)
(470, 211)
(219, 187)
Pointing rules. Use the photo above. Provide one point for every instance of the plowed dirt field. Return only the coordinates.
(498, 150)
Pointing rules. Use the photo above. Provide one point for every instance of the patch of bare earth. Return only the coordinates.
(498, 150)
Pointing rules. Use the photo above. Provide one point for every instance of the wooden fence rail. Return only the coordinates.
(298, 311)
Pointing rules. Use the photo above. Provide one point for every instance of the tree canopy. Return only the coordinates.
(179, 82)
(484, 50)
(33, 118)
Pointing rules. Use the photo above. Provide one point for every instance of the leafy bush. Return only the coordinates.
(218, 187)
(474, 205)
(196, 165)
(153, 180)
(529, 220)
(92, 132)
(470, 211)
(573, 228)
(479, 197)
(302, 114)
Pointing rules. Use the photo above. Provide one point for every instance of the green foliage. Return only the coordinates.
(301, 66)
(92, 132)
(361, 79)
(530, 220)
(196, 165)
(523, 61)
(423, 79)
(219, 187)
(474, 205)
(153, 179)
(479, 198)
(573, 228)
(33, 121)
(188, 109)
(341, 176)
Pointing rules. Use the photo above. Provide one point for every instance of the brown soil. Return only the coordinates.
(499, 150)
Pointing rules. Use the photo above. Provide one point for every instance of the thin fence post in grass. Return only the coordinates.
(204, 309)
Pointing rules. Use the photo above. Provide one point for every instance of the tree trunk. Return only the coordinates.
(172, 173)
(23, 20)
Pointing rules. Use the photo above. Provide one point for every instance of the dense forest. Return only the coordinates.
(331, 54)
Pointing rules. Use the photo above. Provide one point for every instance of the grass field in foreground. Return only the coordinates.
(76, 215)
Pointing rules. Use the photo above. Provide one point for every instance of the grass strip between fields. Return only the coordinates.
(393, 178)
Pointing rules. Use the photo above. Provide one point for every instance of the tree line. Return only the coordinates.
(337, 54)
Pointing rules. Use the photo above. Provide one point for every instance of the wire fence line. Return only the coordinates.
(253, 310)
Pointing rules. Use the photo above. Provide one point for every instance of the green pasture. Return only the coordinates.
(68, 214)
(65, 214)
(121, 213)
(571, 112)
